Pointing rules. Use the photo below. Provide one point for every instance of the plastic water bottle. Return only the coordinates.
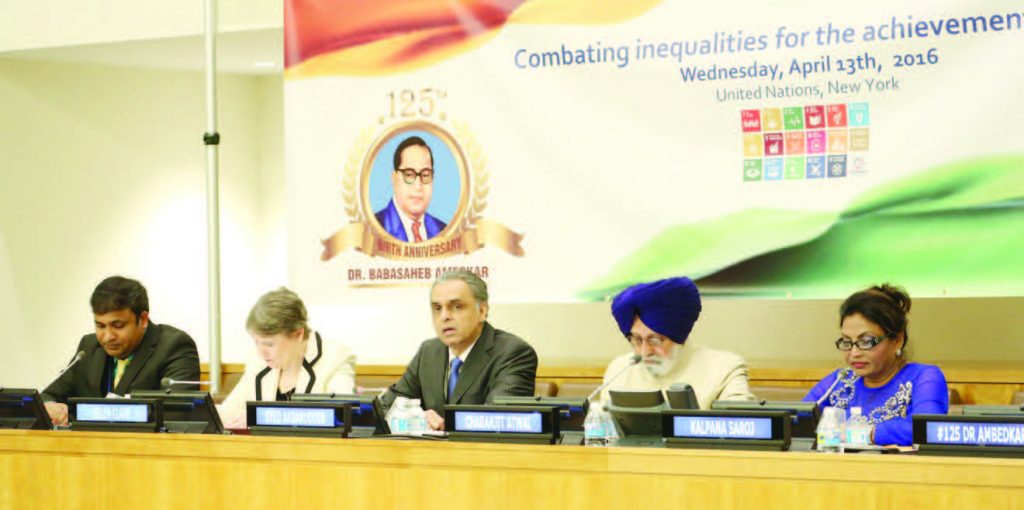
(858, 430)
(417, 417)
(406, 417)
(397, 419)
(595, 427)
(611, 430)
(832, 430)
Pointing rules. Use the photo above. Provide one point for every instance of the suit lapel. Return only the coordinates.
(307, 375)
(434, 384)
(477, 362)
(139, 358)
(432, 225)
(97, 365)
(393, 222)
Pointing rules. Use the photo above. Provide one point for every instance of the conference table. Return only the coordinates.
(118, 471)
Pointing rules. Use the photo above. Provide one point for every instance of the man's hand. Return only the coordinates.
(58, 412)
(434, 420)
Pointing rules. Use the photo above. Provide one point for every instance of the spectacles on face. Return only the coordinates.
(653, 341)
(409, 175)
(864, 343)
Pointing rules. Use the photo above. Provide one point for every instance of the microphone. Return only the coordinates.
(167, 382)
(78, 357)
(843, 373)
(632, 361)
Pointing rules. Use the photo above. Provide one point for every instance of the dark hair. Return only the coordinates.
(409, 142)
(885, 305)
(118, 293)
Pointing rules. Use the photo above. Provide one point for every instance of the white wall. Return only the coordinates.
(49, 23)
(103, 173)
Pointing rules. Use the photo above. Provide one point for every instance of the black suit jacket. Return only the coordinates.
(499, 364)
(164, 351)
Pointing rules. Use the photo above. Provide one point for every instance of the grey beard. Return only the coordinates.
(662, 368)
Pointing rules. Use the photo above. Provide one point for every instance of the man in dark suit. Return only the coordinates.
(127, 351)
(470, 362)
(405, 217)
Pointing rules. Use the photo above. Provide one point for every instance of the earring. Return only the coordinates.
(899, 353)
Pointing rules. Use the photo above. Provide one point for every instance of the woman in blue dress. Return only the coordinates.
(878, 378)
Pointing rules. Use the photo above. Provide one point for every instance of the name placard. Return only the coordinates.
(113, 412)
(295, 417)
(315, 419)
(726, 429)
(499, 422)
(502, 423)
(975, 433)
(115, 415)
(722, 427)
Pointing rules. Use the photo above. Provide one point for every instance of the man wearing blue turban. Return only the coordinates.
(656, 319)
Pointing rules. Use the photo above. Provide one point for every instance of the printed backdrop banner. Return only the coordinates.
(565, 149)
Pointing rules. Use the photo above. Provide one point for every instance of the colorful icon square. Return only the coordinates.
(815, 167)
(773, 144)
(752, 170)
(816, 142)
(793, 117)
(795, 167)
(859, 139)
(859, 114)
(837, 141)
(750, 120)
(753, 145)
(835, 115)
(773, 169)
(837, 165)
(771, 119)
(796, 143)
(814, 117)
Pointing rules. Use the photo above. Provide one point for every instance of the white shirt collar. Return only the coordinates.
(464, 356)
(407, 225)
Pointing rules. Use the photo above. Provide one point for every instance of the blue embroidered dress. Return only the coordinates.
(916, 389)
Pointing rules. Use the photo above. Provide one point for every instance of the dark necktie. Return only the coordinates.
(453, 378)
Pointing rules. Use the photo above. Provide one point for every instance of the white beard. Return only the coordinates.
(658, 366)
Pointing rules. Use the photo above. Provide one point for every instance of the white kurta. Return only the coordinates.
(714, 375)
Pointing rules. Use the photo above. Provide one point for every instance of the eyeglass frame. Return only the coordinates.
(870, 340)
(409, 175)
(653, 341)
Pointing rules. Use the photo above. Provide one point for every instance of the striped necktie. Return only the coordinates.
(119, 368)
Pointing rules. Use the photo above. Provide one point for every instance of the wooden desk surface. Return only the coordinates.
(69, 470)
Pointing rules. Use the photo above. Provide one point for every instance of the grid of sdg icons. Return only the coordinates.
(804, 142)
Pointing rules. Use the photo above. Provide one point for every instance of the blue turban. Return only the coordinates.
(669, 307)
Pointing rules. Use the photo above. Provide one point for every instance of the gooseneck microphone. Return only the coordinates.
(78, 357)
(633, 361)
(167, 382)
(843, 373)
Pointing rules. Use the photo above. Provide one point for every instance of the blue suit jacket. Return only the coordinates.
(392, 223)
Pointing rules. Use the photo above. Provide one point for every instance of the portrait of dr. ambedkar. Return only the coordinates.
(405, 217)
